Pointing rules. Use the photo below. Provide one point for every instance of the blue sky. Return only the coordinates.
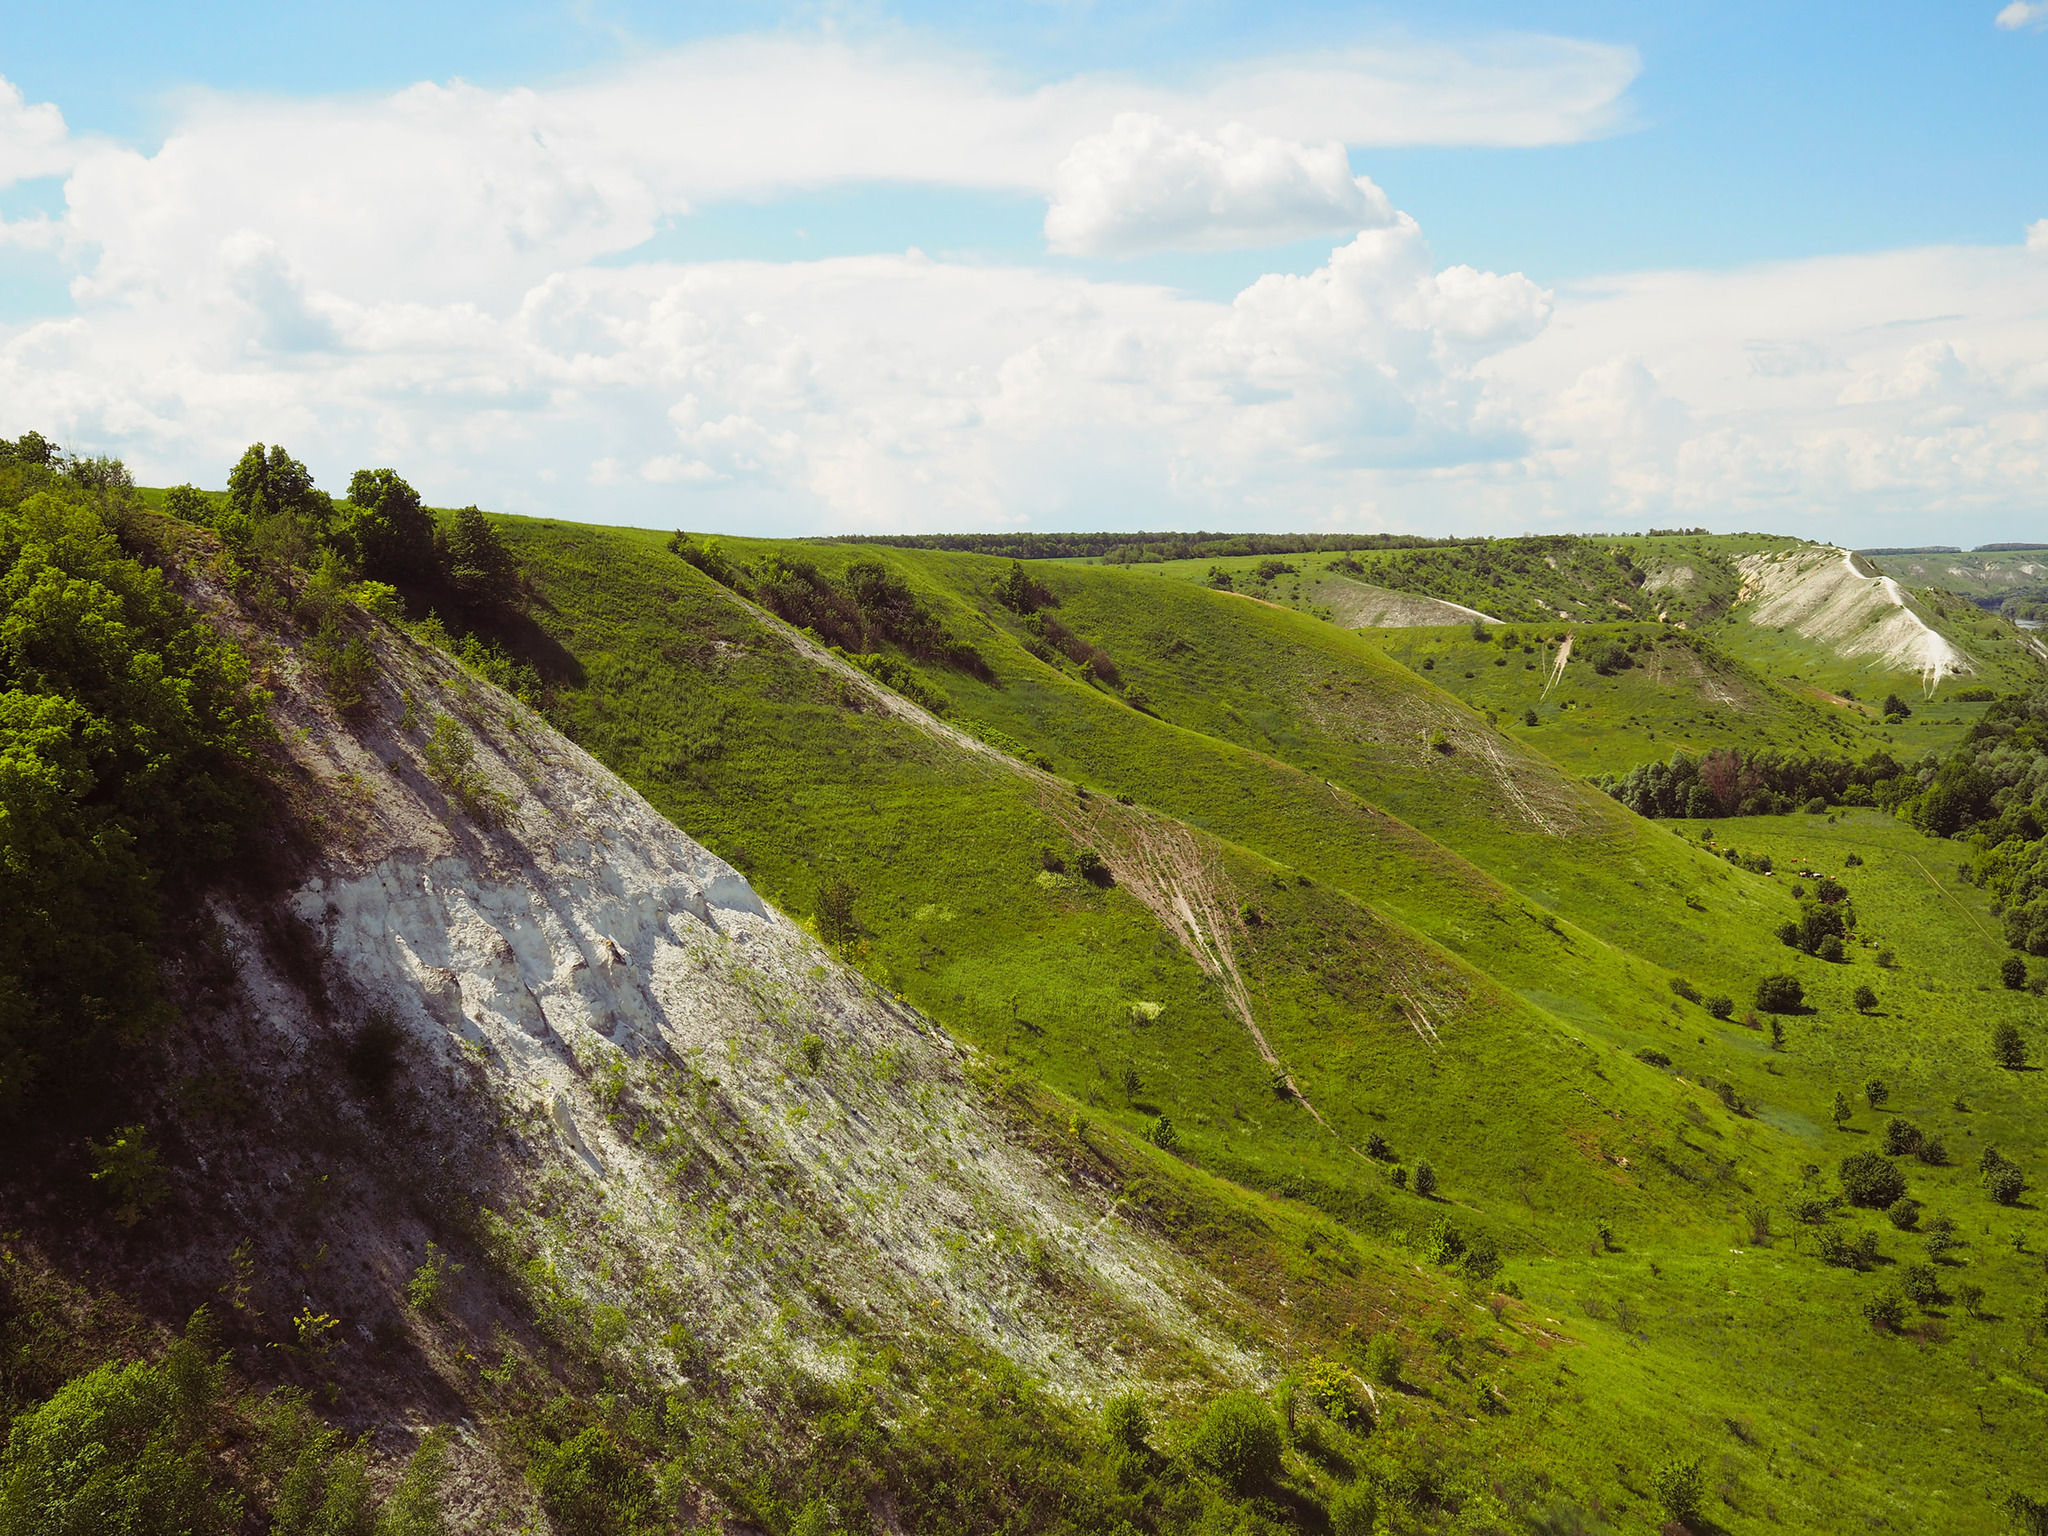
(1793, 162)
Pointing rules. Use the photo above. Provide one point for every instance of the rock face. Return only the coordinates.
(712, 1121)
(1834, 596)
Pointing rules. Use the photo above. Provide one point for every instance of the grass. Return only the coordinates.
(1537, 924)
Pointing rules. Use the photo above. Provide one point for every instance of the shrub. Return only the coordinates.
(1876, 1092)
(1871, 1180)
(1090, 866)
(424, 1290)
(1831, 950)
(1680, 1486)
(1970, 1296)
(2008, 1049)
(1901, 1137)
(1843, 1111)
(1445, 1244)
(1383, 1359)
(1685, 989)
(1239, 1439)
(1863, 999)
(2028, 1516)
(1161, 1134)
(836, 921)
(450, 759)
(590, 1487)
(114, 1450)
(1125, 1423)
(2013, 973)
(1721, 1007)
(1932, 1152)
(1328, 1385)
(1482, 1257)
(1903, 1214)
(1425, 1178)
(128, 1169)
(1376, 1147)
(2005, 1185)
(1788, 935)
(1921, 1285)
(1941, 1237)
(1780, 994)
(1885, 1311)
(1353, 1510)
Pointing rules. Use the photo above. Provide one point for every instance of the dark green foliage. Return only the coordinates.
(189, 504)
(1382, 1360)
(1871, 1180)
(1721, 1007)
(2009, 1047)
(1941, 1237)
(2013, 972)
(893, 672)
(1482, 1257)
(480, 567)
(1729, 781)
(1679, 1487)
(386, 530)
(1921, 1285)
(2028, 1516)
(126, 734)
(1685, 989)
(1425, 1178)
(1901, 1137)
(836, 921)
(1239, 1440)
(590, 1487)
(1894, 705)
(1780, 993)
(1021, 592)
(1904, 1214)
(1125, 1423)
(1863, 999)
(2005, 1184)
(273, 507)
(1876, 1092)
(1352, 1511)
(1885, 1311)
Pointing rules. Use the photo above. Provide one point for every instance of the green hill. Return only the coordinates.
(1200, 999)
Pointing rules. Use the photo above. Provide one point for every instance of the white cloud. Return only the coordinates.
(2023, 13)
(33, 138)
(1142, 187)
(2037, 237)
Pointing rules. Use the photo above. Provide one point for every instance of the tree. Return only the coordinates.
(1125, 1423)
(1425, 1178)
(2008, 1048)
(2014, 972)
(1904, 1214)
(1863, 999)
(1844, 1110)
(479, 564)
(1780, 993)
(2006, 1184)
(386, 531)
(1901, 1137)
(1869, 1179)
(1894, 705)
(1831, 950)
(1721, 1007)
(189, 504)
(1875, 1092)
(1885, 1311)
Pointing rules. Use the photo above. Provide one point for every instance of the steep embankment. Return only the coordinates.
(1836, 597)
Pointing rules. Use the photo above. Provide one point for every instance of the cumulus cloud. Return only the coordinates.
(2023, 13)
(2037, 237)
(33, 138)
(1142, 187)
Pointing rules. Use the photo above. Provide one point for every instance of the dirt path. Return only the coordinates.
(1491, 752)
(1951, 895)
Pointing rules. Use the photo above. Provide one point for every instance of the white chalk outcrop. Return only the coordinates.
(720, 1120)
(1837, 597)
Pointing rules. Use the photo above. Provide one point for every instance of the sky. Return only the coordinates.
(757, 268)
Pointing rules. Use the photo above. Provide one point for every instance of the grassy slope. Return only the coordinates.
(1532, 1091)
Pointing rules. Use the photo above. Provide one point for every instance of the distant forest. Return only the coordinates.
(1143, 548)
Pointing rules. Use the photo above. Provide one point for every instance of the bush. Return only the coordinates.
(1482, 1257)
(1903, 1214)
(1885, 1311)
(127, 1168)
(1901, 1137)
(1780, 994)
(1932, 1152)
(2006, 1185)
(1871, 1180)
(1876, 1092)
(1921, 1285)
(836, 922)
(1425, 1178)
(1831, 950)
(1863, 999)
(2028, 1516)
(1680, 1486)
(1383, 1359)
(1685, 989)
(2013, 973)
(590, 1487)
(1352, 1511)
(1239, 1439)
(386, 530)
(1444, 1244)
(2008, 1049)
(1125, 1423)
(1970, 1296)
(1721, 1007)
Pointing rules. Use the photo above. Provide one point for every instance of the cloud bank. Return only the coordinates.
(442, 279)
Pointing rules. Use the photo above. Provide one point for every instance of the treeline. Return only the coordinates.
(127, 734)
(1142, 548)
(1727, 781)
(1991, 792)
(381, 531)
(868, 605)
